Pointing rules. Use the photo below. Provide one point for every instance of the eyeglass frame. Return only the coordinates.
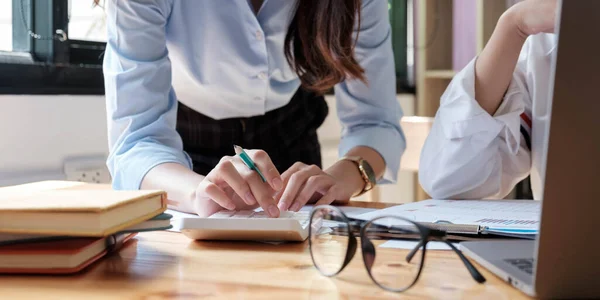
(427, 234)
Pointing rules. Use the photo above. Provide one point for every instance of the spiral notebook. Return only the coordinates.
(513, 218)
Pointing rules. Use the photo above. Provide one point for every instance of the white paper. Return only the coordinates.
(409, 245)
(349, 211)
(496, 214)
(353, 212)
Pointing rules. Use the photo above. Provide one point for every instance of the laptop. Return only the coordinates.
(564, 259)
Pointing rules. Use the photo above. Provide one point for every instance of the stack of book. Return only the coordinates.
(60, 227)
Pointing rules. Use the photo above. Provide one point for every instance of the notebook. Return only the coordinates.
(58, 256)
(75, 208)
(511, 218)
(160, 222)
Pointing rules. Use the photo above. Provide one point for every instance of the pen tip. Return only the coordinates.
(237, 149)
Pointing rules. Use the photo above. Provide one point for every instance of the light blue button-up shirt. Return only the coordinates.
(223, 60)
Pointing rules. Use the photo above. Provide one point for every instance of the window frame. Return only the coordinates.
(49, 66)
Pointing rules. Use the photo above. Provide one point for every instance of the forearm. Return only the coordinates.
(348, 173)
(178, 181)
(475, 166)
(496, 63)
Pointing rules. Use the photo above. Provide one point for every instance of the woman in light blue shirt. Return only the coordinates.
(186, 80)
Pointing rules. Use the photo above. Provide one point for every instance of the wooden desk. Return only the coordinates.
(167, 265)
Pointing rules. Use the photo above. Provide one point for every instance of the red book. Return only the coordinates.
(63, 256)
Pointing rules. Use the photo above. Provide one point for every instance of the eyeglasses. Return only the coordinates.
(333, 243)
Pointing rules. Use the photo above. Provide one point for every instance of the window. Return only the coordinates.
(86, 21)
(5, 26)
(401, 18)
(51, 47)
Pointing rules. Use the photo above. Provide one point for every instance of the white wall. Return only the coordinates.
(38, 133)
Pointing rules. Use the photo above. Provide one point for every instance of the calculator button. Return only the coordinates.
(222, 214)
(259, 215)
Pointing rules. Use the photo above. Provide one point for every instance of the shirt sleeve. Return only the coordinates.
(140, 101)
(370, 113)
(470, 154)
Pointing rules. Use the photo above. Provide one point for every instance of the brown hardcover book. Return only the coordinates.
(67, 208)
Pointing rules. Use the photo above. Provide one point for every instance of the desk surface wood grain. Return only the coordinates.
(167, 265)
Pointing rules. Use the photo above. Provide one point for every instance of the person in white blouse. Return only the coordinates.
(488, 133)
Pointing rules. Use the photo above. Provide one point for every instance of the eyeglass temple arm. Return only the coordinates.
(474, 272)
(412, 252)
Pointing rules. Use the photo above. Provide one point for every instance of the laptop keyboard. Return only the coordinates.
(524, 264)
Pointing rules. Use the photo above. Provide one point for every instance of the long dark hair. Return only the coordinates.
(319, 44)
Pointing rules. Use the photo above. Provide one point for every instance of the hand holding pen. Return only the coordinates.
(241, 182)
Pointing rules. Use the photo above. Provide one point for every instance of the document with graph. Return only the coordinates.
(518, 218)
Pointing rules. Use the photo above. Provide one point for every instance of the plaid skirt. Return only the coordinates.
(287, 134)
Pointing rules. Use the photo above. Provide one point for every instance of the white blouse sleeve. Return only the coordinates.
(470, 154)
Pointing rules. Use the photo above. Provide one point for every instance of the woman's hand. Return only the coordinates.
(306, 184)
(496, 64)
(534, 16)
(232, 185)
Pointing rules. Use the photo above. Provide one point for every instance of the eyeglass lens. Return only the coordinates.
(387, 245)
(329, 240)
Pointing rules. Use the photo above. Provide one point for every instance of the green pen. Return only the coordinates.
(246, 159)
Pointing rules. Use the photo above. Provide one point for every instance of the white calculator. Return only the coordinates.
(248, 225)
